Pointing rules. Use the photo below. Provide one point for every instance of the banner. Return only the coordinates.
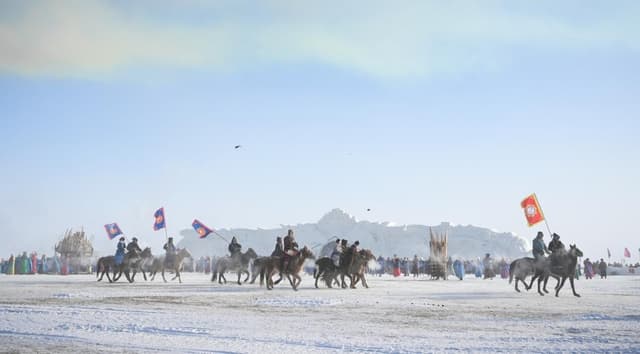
(159, 219)
(627, 253)
(200, 228)
(532, 210)
(112, 230)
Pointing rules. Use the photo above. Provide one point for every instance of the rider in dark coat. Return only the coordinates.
(170, 250)
(234, 247)
(278, 250)
(133, 247)
(556, 244)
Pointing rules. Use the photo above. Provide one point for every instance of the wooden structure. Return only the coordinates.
(75, 251)
(438, 255)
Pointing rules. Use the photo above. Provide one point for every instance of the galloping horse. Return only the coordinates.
(291, 271)
(177, 264)
(105, 264)
(521, 268)
(134, 264)
(563, 267)
(359, 267)
(239, 264)
(326, 269)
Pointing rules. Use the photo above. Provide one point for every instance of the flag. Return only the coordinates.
(532, 210)
(627, 253)
(112, 230)
(159, 219)
(608, 253)
(200, 228)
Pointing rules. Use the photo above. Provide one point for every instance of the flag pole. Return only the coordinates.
(542, 212)
(217, 234)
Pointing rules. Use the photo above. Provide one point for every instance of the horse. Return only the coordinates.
(134, 263)
(238, 263)
(294, 267)
(358, 267)
(258, 269)
(154, 266)
(105, 264)
(521, 268)
(563, 267)
(177, 264)
(326, 269)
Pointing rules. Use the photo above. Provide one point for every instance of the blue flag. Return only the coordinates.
(112, 230)
(200, 228)
(159, 219)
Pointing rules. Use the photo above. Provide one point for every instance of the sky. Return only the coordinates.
(422, 112)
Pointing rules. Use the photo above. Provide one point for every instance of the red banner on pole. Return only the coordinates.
(532, 210)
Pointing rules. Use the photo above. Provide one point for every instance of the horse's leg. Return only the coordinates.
(317, 275)
(544, 288)
(144, 275)
(540, 280)
(573, 287)
(126, 274)
(178, 275)
(561, 285)
(239, 276)
(163, 278)
(247, 275)
(534, 277)
(364, 281)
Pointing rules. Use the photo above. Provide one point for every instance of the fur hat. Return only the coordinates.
(135, 239)
(122, 238)
(556, 236)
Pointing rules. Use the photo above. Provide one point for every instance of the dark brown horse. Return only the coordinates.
(134, 264)
(563, 267)
(327, 270)
(108, 263)
(274, 265)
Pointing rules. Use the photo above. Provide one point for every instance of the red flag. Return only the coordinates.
(627, 253)
(532, 210)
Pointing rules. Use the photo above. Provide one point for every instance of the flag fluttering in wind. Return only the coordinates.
(608, 253)
(627, 253)
(200, 228)
(112, 230)
(532, 210)
(159, 219)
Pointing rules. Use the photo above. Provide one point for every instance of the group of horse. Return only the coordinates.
(249, 264)
(561, 266)
(143, 262)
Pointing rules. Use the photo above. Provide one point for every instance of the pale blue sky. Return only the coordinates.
(424, 113)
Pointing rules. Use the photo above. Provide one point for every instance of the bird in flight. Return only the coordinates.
(237, 146)
(368, 209)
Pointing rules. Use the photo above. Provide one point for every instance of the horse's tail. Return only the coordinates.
(511, 268)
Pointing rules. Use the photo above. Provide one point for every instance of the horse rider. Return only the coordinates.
(133, 247)
(556, 247)
(122, 246)
(335, 254)
(539, 247)
(290, 248)
(555, 244)
(170, 252)
(234, 247)
(278, 250)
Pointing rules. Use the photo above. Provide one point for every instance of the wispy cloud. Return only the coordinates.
(386, 40)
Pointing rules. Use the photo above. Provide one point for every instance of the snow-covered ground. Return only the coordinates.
(45, 313)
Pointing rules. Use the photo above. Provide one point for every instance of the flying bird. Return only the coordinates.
(237, 146)
(368, 209)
